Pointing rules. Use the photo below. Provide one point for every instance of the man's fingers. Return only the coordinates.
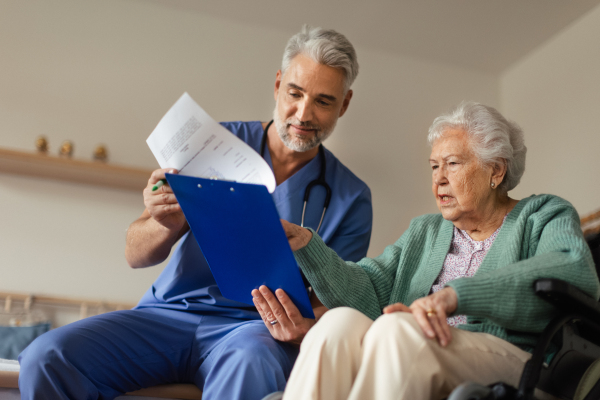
(161, 212)
(161, 205)
(290, 308)
(159, 174)
(161, 190)
(161, 198)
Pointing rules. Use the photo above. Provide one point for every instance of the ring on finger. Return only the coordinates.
(274, 322)
(430, 312)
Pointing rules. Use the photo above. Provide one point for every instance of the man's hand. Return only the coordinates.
(151, 236)
(431, 312)
(291, 326)
(297, 236)
(161, 203)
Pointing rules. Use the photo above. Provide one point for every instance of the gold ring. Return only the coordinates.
(430, 312)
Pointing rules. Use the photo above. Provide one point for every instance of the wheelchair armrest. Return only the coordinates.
(567, 297)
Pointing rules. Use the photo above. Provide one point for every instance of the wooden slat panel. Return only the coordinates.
(66, 301)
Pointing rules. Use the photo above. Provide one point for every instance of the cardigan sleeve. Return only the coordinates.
(365, 285)
(555, 248)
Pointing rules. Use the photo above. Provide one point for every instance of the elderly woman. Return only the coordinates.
(455, 290)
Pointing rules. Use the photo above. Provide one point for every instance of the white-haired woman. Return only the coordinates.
(455, 290)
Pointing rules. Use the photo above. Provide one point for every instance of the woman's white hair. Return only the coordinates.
(493, 138)
(324, 46)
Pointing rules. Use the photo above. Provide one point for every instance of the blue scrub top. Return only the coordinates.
(186, 283)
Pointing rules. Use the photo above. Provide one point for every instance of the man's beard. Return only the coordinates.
(294, 143)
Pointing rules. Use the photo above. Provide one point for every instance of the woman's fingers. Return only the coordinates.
(258, 307)
(437, 318)
(290, 326)
(423, 321)
(297, 236)
(431, 313)
(397, 307)
(446, 329)
(264, 311)
(431, 320)
(276, 308)
(263, 308)
(433, 323)
(272, 309)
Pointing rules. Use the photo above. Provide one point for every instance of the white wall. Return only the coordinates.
(554, 94)
(106, 71)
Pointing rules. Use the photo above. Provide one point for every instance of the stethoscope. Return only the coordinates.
(319, 181)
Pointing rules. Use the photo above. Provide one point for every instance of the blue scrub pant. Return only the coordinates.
(104, 356)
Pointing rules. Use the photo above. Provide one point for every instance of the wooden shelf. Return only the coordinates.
(71, 170)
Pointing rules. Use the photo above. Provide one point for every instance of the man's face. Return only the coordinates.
(309, 100)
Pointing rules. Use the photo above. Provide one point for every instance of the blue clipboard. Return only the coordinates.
(238, 229)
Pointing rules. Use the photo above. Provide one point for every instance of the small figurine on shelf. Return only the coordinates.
(100, 153)
(41, 144)
(66, 149)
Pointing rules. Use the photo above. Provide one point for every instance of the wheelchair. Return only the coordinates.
(574, 372)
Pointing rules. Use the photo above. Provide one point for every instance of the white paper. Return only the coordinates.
(189, 140)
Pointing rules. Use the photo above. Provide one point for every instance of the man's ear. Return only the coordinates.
(346, 103)
(278, 77)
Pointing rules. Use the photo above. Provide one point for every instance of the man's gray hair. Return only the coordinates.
(493, 138)
(324, 46)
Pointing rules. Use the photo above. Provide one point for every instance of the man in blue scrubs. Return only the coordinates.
(183, 329)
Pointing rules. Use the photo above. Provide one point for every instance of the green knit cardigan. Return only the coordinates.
(540, 238)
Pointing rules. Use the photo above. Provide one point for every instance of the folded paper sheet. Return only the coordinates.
(189, 140)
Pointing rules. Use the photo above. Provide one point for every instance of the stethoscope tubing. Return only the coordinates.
(320, 181)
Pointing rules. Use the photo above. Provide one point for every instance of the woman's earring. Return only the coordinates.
(493, 185)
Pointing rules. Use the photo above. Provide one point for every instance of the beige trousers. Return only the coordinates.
(346, 355)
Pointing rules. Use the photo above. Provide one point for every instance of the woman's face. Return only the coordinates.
(461, 185)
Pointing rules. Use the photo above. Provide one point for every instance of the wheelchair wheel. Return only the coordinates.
(470, 391)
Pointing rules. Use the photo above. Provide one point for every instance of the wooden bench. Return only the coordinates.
(184, 391)
(81, 308)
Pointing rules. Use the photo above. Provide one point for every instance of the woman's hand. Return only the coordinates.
(431, 313)
(291, 326)
(297, 236)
